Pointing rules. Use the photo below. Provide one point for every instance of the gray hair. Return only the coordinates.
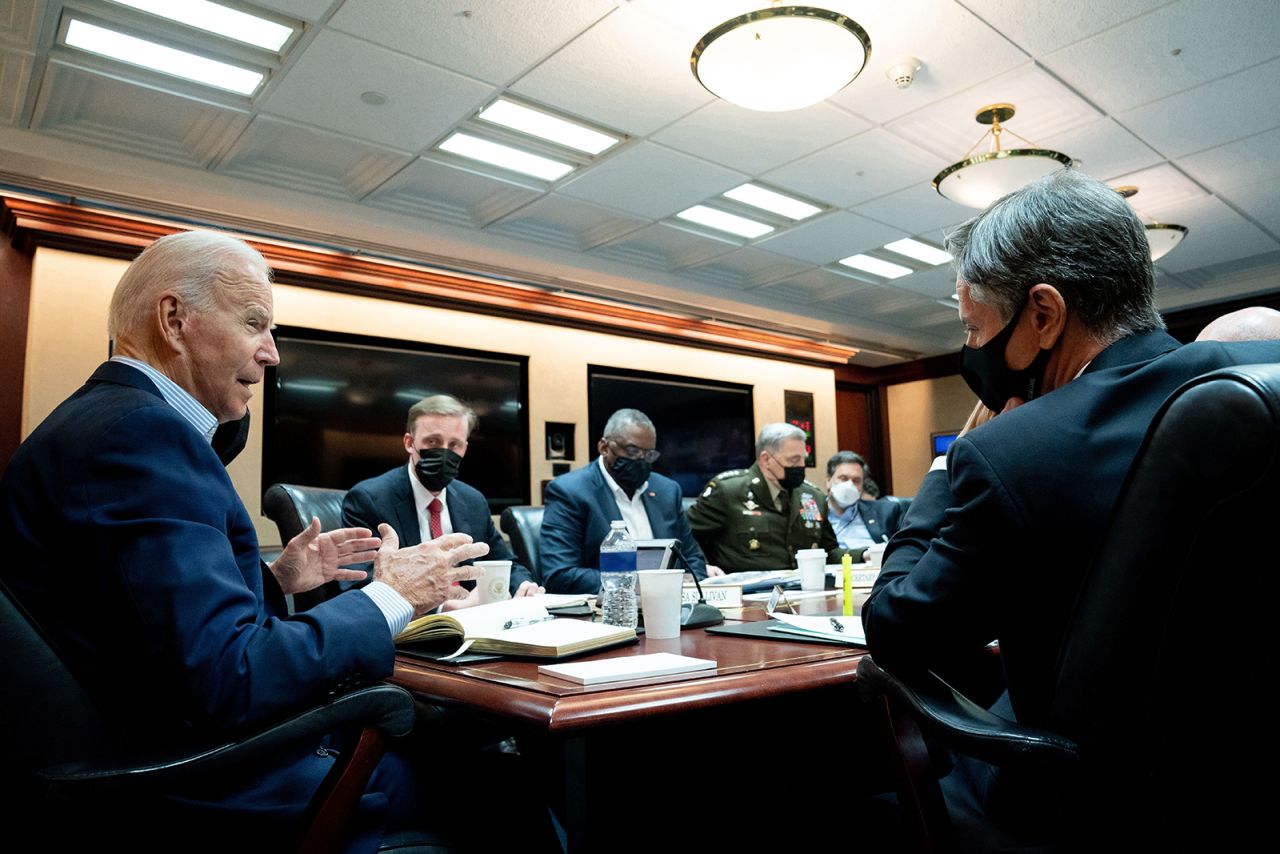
(442, 404)
(773, 435)
(1069, 231)
(840, 458)
(192, 264)
(624, 418)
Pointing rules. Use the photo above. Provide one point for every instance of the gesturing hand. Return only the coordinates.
(312, 558)
(425, 574)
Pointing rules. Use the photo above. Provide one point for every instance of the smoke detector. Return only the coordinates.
(903, 72)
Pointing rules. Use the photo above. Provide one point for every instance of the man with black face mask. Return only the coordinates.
(619, 484)
(1068, 354)
(758, 518)
(424, 500)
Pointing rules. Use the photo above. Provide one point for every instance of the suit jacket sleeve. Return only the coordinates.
(165, 515)
(942, 585)
(693, 556)
(564, 523)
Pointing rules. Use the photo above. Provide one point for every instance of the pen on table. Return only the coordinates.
(517, 622)
(835, 624)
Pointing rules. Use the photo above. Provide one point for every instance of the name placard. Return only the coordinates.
(720, 596)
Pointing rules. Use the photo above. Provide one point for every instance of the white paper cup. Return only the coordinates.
(875, 554)
(660, 601)
(813, 569)
(494, 584)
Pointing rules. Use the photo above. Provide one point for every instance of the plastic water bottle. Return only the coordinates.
(618, 577)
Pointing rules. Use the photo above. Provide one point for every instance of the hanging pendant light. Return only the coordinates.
(1162, 237)
(979, 180)
(781, 58)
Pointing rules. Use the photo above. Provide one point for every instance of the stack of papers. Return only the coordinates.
(626, 667)
(846, 630)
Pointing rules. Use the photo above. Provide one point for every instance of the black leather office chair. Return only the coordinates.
(72, 782)
(523, 527)
(902, 501)
(292, 507)
(1163, 730)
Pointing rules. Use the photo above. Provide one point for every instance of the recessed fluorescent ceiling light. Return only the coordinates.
(213, 18)
(721, 221)
(866, 263)
(505, 156)
(759, 197)
(546, 126)
(919, 251)
(166, 60)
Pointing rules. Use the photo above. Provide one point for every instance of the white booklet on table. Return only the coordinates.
(846, 630)
(626, 667)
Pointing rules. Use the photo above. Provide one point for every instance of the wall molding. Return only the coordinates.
(32, 222)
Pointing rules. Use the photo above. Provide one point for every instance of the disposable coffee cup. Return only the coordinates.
(875, 554)
(495, 582)
(813, 569)
(660, 601)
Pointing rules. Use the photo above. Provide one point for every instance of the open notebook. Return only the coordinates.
(515, 627)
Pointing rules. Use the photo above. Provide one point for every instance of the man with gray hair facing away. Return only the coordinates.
(1063, 340)
(619, 484)
(757, 518)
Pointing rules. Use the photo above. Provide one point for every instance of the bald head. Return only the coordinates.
(1255, 323)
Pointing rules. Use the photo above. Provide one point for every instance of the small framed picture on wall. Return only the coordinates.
(798, 409)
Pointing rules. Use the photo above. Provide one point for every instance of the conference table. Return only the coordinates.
(614, 743)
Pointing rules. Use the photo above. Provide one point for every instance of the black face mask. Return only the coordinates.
(437, 467)
(793, 476)
(994, 382)
(629, 474)
(229, 439)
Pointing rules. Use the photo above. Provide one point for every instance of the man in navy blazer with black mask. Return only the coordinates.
(618, 485)
(426, 496)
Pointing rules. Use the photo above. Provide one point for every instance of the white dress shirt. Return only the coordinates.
(632, 509)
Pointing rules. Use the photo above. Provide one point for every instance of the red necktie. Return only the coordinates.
(433, 511)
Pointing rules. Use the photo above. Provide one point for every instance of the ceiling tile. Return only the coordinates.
(1234, 107)
(495, 40)
(1159, 187)
(15, 74)
(1135, 63)
(1216, 234)
(82, 105)
(1040, 31)
(307, 10)
(958, 50)
(1261, 201)
(19, 22)
(1103, 149)
(754, 142)
(830, 237)
(917, 210)
(629, 72)
(441, 192)
(651, 181)
(566, 223)
(283, 154)
(935, 283)
(1044, 107)
(661, 247)
(871, 164)
(747, 267)
(422, 101)
(1245, 161)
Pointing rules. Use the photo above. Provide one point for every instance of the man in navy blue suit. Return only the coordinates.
(425, 495)
(858, 522)
(620, 484)
(128, 545)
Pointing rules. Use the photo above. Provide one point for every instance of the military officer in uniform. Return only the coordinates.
(757, 518)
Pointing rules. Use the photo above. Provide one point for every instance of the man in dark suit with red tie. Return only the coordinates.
(426, 495)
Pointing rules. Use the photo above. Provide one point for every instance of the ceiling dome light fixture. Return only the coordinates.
(781, 58)
(1162, 237)
(979, 180)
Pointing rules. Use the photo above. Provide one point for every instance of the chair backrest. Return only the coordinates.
(46, 714)
(902, 501)
(291, 507)
(523, 526)
(1163, 676)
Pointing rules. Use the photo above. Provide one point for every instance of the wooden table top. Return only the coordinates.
(747, 669)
